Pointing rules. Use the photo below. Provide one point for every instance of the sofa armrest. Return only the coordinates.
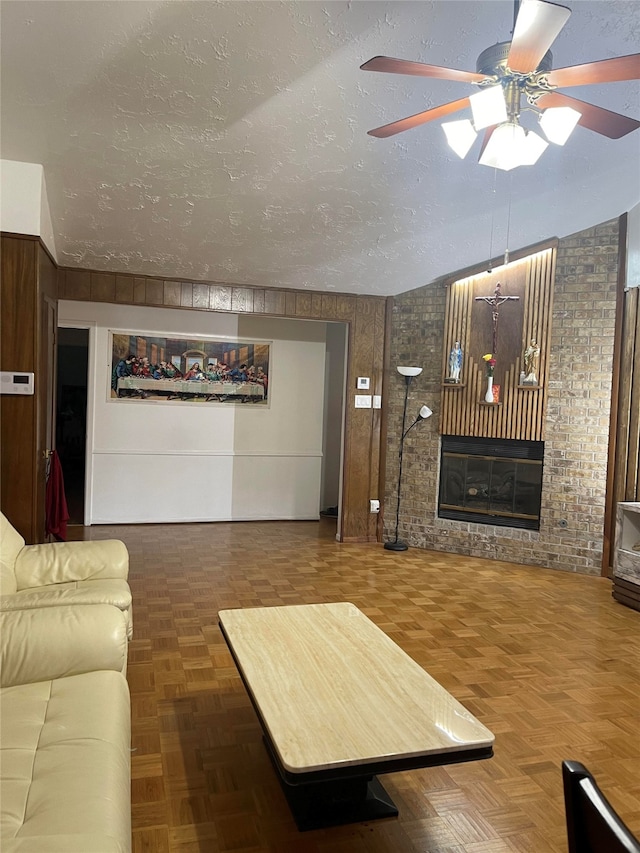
(59, 562)
(54, 642)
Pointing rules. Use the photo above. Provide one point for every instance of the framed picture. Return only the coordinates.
(206, 371)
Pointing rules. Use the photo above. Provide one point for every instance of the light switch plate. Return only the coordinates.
(377, 401)
(363, 401)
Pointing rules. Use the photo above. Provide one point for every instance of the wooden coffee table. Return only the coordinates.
(340, 702)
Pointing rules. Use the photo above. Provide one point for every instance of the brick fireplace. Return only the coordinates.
(575, 422)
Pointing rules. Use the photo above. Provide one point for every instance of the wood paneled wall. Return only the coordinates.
(364, 315)
(519, 413)
(28, 294)
(623, 474)
(627, 462)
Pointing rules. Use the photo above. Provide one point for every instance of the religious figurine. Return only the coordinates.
(531, 359)
(455, 363)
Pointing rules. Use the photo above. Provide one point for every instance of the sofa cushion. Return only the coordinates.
(11, 543)
(65, 765)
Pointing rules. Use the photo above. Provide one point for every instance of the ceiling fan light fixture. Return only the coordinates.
(460, 136)
(558, 123)
(503, 150)
(510, 145)
(532, 148)
(488, 107)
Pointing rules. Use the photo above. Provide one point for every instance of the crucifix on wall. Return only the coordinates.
(495, 302)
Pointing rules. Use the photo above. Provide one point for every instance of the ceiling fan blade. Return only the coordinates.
(604, 71)
(419, 69)
(537, 26)
(418, 119)
(613, 125)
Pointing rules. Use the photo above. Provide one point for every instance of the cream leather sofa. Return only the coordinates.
(34, 576)
(65, 734)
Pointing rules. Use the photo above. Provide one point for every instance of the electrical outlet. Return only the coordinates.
(374, 506)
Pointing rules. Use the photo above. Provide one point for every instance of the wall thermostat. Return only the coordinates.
(16, 383)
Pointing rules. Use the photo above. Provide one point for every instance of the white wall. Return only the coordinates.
(24, 206)
(175, 462)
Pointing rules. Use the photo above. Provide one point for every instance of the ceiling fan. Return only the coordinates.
(509, 71)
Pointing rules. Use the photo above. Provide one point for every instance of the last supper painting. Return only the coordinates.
(153, 368)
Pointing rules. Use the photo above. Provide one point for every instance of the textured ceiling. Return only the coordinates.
(227, 141)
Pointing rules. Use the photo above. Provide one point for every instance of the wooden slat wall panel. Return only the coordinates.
(172, 293)
(520, 411)
(201, 296)
(103, 287)
(365, 429)
(242, 300)
(77, 284)
(139, 290)
(124, 288)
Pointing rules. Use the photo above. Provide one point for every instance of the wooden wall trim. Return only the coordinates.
(366, 320)
(35, 237)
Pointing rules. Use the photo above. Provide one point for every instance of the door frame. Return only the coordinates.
(90, 326)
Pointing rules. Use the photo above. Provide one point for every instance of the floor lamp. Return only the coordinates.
(425, 412)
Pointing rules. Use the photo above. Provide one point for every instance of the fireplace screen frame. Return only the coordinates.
(491, 481)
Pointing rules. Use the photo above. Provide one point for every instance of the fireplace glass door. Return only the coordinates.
(490, 489)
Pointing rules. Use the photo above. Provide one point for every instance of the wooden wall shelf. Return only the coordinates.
(529, 387)
(484, 403)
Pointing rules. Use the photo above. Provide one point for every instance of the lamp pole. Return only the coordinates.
(396, 545)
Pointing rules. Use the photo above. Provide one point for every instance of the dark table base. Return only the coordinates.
(323, 804)
(333, 802)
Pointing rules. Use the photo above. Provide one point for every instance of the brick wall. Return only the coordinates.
(577, 418)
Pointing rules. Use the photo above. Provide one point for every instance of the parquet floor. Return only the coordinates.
(546, 659)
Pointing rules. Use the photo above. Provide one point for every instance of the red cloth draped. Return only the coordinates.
(56, 511)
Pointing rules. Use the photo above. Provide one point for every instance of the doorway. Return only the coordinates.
(71, 416)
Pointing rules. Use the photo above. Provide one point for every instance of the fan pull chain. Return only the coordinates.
(493, 216)
(506, 251)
